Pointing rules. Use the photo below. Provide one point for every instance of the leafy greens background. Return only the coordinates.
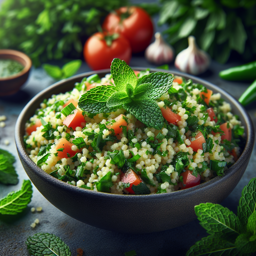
(51, 29)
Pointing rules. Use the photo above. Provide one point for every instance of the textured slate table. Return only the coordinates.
(93, 241)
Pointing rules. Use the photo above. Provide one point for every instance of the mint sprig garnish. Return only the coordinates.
(228, 234)
(16, 202)
(42, 244)
(136, 96)
(8, 174)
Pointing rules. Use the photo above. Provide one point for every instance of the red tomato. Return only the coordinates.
(131, 177)
(75, 120)
(117, 125)
(67, 149)
(170, 116)
(234, 154)
(189, 180)
(198, 142)
(99, 55)
(178, 80)
(33, 127)
(227, 132)
(137, 27)
(212, 115)
(74, 102)
(206, 96)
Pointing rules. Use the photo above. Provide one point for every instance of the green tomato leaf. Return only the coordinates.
(42, 244)
(53, 71)
(146, 111)
(213, 245)
(70, 68)
(105, 183)
(247, 202)
(16, 202)
(118, 99)
(95, 100)
(8, 174)
(217, 219)
(244, 245)
(160, 83)
(122, 74)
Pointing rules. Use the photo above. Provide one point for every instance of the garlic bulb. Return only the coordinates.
(192, 60)
(159, 52)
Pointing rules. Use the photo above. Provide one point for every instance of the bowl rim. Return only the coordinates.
(9, 53)
(249, 130)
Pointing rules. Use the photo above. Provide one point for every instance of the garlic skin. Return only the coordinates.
(192, 60)
(159, 52)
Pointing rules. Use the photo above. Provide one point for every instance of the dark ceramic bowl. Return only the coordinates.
(129, 213)
(11, 84)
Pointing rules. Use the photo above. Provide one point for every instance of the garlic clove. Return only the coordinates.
(192, 60)
(159, 52)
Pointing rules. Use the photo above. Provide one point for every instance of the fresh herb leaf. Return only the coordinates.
(141, 189)
(218, 167)
(212, 245)
(217, 219)
(117, 158)
(105, 183)
(16, 202)
(147, 112)
(70, 68)
(118, 99)
(47, 244)
(180, 161)
(95, 100)
(122, 74)
(8, 174)
(79, 142)
(146, 179)
(247, 202)
(53, 71)
(244, 245)
(160, 83)
(42, 159)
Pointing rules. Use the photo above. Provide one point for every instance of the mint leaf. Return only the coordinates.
(212, 245)
(42, 244)
(142, 92)
(122, 74)
(95, 100)
(160, 83)
(118, 99)
(146, 111)
(217, 219)
(53, 71)
(16, 202)
(247, 202)
(244, 245)
(251, 225)
(129, 90)
(8, 174)
(70, 68)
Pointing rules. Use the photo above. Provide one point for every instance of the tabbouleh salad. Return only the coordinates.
(134, 132)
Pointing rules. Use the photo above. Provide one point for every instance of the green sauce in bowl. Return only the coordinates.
(9, 67)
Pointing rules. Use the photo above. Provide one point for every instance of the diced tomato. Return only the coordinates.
(131, 177)
(90, 86)
(75, 120)
(206, 96)
(33, 127)
(136, 72)
(198, 142)
(170, 116)
(117, 126)
(67, 149)
(74, 102)
(189, 180)
(234, 154)
(211, 114)
(178, 80)
(227, 132)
